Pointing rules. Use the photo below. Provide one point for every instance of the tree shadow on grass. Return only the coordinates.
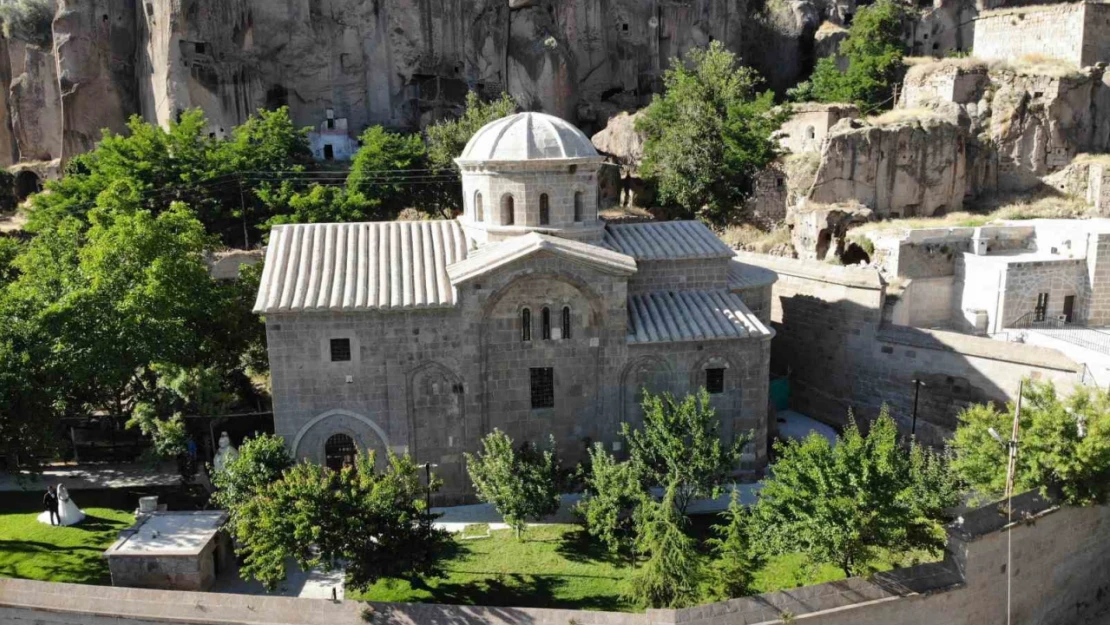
(580, 547)
(517, 590)
(77, 564)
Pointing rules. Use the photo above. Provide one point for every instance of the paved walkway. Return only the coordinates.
(796, 426)
(94, 476)
(1096, 361)
(315, 584)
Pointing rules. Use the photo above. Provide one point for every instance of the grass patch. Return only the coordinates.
(753, 239)
(558, 566)
(32, 550)
(898, 116)
(990, 210)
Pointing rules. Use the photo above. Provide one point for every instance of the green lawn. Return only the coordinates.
(555, 566)
(32, 550)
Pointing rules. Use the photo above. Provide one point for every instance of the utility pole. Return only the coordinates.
(1011, 467)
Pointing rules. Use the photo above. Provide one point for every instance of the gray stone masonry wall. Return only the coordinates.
(166, 572)
(758, 300)
(1098, 276)
(1056, 30)
(840, 356)
(1059, 577)
(679, 275)
(1098, 188)
(1058, 278)
(433, 382)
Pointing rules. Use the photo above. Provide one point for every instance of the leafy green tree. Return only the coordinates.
(446, 139)
(613, 490)
(708, 134)
(27, 386)
(8, 199)
(383, 170)
(521, 483)
(680, 444)
(734, 561)
(261, 461)
(1063, 445)
(874, 51)
(326, 204)
(671, 574)
(839, 504)
(373, 522)
(225, 183)
(10, 248)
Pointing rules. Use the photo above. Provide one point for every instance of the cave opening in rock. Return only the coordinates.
(854, 254)
(26, 183)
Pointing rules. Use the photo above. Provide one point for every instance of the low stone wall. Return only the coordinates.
(1059, 577)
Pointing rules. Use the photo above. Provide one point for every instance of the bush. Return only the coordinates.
(261, 461)
(31, 21)
(874, 50)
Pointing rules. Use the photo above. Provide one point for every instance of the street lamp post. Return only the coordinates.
(917, 384)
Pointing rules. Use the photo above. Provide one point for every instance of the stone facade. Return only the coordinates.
(171, 551)
(452, 329)
(1070, 32)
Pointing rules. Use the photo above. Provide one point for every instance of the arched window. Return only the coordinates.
(545, 323)
(339, 452)
(545, 210)
(526, 325)
(479, 213)
(507, 210)
(577, 206)
(566, 322)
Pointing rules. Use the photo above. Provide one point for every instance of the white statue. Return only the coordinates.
(226, 453)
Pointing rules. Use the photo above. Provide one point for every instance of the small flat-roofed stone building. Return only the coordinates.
(171, 551)
(809, 124)
(527, 313)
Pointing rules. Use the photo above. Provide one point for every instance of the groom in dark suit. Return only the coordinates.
(50, 502)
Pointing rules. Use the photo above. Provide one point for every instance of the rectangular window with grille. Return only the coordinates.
(543, 387)
(340, 350)
(715, 381)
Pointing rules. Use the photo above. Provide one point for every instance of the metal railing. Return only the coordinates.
(1095, 339)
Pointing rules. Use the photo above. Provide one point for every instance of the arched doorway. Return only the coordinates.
(26, 183)
(339, 451)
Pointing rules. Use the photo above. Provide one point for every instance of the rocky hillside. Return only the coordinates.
(398, 63)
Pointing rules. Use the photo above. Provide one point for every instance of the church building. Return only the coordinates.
(527, 313)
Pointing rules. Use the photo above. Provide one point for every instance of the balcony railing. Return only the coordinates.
(1094, 339)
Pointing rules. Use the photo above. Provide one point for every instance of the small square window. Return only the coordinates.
(543, 387)
(715, 381)
(340, 350)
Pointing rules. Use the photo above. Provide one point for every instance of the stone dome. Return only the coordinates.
(528, 137)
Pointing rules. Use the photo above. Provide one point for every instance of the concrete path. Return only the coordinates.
(796, 426)
(94, 476)
(314, 584)
(1097, 362)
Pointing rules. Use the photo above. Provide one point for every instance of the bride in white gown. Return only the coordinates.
(68, 512)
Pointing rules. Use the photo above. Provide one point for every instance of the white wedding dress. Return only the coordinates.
(68, 512)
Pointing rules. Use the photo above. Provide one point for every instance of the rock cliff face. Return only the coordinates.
(901, 168)
(400, 63)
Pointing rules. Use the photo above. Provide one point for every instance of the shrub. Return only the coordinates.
(521, 483)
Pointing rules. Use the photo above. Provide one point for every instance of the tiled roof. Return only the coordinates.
(690, 316)
(493, 256)
(360, 266)
(666, 240)
(741, 275)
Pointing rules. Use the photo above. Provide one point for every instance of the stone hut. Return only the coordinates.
(527, 314)
(809, 124)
